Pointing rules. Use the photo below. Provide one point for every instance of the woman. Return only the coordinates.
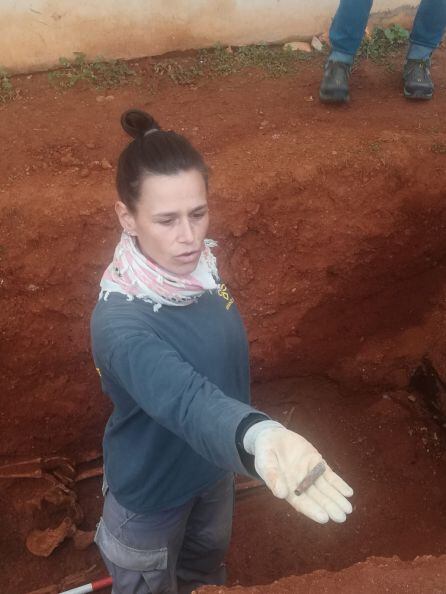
(172, 354)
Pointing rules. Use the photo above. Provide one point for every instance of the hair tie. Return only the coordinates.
(151, 130)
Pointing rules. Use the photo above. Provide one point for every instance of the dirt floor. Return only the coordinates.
(374, 576)
(331, 224)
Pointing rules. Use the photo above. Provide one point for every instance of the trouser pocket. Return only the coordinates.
(134, 570)
(129, 557)
(146, 553)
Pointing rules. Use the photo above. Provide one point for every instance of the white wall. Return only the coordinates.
(35, 33)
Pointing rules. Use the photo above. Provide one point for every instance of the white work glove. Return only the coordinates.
(283, 459)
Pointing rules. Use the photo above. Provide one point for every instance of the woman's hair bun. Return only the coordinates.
(137, 122)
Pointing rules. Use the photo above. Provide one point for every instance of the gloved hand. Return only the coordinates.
(283, 458)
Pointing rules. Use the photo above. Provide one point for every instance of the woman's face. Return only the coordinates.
(171, 220)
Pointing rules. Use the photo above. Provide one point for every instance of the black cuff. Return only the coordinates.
(245, 424)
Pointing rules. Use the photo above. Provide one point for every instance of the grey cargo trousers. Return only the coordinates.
(168, 552)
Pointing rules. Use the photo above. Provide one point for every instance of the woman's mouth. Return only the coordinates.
(188, 257)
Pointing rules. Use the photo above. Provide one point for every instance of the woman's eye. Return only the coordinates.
(198, 215)
(166, 222)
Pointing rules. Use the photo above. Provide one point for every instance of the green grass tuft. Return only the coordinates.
(439, 148)
(7, 92)
(222, 61)
(178, 73)
(99, 73)
(383, 42)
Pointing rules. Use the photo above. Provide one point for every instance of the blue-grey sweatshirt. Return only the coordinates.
(179, 382)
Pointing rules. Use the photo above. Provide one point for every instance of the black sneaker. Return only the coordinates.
(334, 86)
(417, 79)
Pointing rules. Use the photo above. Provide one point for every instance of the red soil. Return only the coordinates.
(374, 576)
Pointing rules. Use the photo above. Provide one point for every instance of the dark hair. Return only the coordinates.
(152, 152)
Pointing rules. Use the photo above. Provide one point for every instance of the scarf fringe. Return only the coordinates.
(133, 275)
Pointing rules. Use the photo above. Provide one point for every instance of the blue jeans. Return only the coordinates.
(350, 21)
(172, 551)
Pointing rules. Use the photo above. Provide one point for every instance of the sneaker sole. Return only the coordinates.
(335, 98)
(418, 95)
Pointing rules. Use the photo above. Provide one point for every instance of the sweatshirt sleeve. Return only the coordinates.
(177, 397)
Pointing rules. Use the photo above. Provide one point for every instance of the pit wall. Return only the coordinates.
(35, 34)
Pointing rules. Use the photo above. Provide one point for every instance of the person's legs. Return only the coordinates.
(428, 29)
(346, 33)
(206, 540)
(141, 550)
(347, 29)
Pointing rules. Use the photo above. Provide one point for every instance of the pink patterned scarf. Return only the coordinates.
(134, 275)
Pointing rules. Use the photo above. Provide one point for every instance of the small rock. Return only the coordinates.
(263, 123)
(229, 50)
(100, 98)
(106, 164)
(301, 46)
(84, 172)
(316, 44)
(109, 97)
(412, 398)
(309, 98)
(32, 288)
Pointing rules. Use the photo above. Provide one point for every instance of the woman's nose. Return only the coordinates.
(186, 232)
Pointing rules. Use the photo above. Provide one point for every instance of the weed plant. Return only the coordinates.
(99, 73)
(383, 43)
(7, 92)
(178, 73)
(222, 61)
(439, 148)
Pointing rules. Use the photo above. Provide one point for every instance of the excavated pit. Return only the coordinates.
(331, 226)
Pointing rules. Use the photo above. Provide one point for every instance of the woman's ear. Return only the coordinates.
(126, 218)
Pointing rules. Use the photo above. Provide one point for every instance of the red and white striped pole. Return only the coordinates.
(91, 587)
